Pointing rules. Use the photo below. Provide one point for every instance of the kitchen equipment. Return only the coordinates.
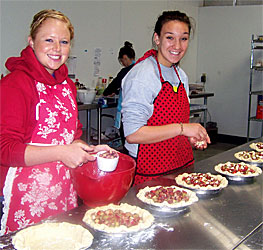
(107, 164)
(72, 64)
(86, 96)
(98, 188)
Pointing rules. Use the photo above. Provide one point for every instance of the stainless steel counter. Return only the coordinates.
(230, 220)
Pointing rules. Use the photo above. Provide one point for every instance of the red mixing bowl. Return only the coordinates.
(98, 188)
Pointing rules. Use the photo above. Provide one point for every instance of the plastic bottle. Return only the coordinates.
(104, 83)
(99, 86)
(77, 83)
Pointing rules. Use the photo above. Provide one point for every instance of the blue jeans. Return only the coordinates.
(1, 208)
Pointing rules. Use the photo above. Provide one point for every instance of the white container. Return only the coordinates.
(105, 164)
(86, 96)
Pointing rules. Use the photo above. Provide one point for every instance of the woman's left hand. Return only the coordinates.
(201, 145)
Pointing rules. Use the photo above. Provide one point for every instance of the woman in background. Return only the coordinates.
(127, 59)
(40, 130)
(155, 105)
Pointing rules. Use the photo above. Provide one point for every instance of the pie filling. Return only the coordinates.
(167, 194)
(250, 155)
(116, 218)
(257, 146)
(109, 155)
(202, 180)
(234, 168)
(121, 218)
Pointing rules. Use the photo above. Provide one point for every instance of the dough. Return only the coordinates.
(53, 236)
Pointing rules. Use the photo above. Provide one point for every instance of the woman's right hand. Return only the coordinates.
(75, 154)
(72, 155)
(78, 153)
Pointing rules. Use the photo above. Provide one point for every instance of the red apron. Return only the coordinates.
(34, 193)
(170, 106)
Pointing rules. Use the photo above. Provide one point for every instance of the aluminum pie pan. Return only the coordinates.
(165, 209)
(241, 179)
(103, 234)
(205, 191)
(158, 211)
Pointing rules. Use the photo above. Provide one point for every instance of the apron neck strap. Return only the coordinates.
(153, 53)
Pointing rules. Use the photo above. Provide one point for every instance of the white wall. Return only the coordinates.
(224, 37)
(98, 24)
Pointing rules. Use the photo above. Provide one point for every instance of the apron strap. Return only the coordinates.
(153, 53)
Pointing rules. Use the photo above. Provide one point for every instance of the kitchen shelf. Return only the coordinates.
(259, 68)
(197, 108)
(260, 92)
(253, 118)
(256, 44)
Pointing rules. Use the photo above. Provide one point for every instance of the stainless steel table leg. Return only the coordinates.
(88, 130)
(99, 124)
(205, 112)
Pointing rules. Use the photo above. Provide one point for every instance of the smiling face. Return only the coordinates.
(172, 43)
(51, 44)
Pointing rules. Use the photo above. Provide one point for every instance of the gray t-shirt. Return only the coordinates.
(139, 89)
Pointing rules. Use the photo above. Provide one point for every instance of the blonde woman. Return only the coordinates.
(40, 130)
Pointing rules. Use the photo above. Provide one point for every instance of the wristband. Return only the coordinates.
(182, 128)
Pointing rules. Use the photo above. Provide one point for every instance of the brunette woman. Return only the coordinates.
(127, 59)
(155, 105)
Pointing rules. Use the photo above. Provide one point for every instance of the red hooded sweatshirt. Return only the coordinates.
(18, 98)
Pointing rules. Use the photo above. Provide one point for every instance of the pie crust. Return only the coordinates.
(191, 197)
(258, 146)
(53, 236)
(145, 221)
(250, 156)
(238, 169)
(210, 181)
